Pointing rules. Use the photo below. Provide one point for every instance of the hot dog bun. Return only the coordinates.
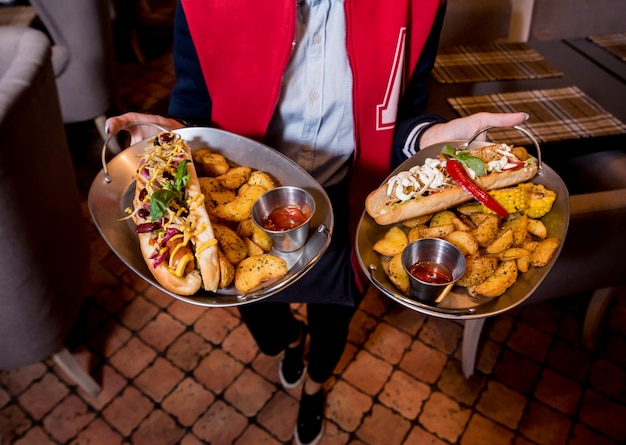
(386, 209)
(175, 237)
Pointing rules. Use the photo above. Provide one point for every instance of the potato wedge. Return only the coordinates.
(253, 248)
(537, 228)
(416, 233)
(512, 253)
(247, 229)
(544, 252)
(397, 274)
(503, 241)
(241, 207)
(523, 263)
(477, 270)
(487, 228)
(464, 241)
(232, 245)
(210, 163)
(442, 218)
(255, 270)
(417, 221)
(214, 193)
(235, 177)
(261, 178)
(437, 232)
(519, 227)
(495, 285)
(392, 243)
(227, 270)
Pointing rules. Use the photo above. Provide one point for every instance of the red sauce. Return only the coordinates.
(430, 272)
(285, 218)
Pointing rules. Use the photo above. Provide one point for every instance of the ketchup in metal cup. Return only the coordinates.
(430, 272)
(285, 218)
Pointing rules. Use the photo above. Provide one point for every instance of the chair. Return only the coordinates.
(83, 57)
(589, 260)
(44, 250)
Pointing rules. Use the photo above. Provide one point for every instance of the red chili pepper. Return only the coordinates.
(460, 176)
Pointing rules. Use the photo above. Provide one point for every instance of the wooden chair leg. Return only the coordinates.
(595, 311)
(471, 337)
(66, 361)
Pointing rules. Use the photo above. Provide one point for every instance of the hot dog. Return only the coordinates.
(175, 234)
(429, 188)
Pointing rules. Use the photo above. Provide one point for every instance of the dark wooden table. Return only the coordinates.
(594, 79)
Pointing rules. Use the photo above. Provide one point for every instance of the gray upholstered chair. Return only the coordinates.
(591, 257)
(44, 250)
(83, 57)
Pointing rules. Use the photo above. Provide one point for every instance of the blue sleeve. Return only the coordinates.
(190, 99)
(412, 106)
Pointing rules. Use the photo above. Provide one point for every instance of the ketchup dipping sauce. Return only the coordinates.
(285, 213)
(286, 218)
(433, 266)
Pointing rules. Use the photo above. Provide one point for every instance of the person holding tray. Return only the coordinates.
(339, 87)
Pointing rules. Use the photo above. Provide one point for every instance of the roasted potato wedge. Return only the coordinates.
(537, 228)
(255, 270)
(477, 270)
(232, 245)
(503, 241)
(437, 232)
(397, 275)
(464, 241)
(486, 228)
(214, 193)
(241, 207)
(235, 177)
(261, 178)
(544, 252)
(210, 163)
(442, 218)
(392, 243)
(253, 248)
(496, 284)
(227, 270)
(247, 229)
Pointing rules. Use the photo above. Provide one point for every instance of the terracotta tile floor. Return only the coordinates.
(174, 373)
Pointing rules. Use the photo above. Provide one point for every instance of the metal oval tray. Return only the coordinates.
(113, 189)
(458, 303)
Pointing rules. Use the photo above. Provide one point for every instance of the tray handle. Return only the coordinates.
(107, 177)
(467, 143)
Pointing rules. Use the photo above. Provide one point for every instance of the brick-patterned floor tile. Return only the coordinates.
(367, 373)
(158, 427)
(388, 343)
(239, 344)
(97, 432)
(419, 435)
(69, 416)
(584, 436)
(604, 415)
(441, 334)
(133, 357)
(184, 312)
(128, 410)
(444, 417)
(249, 392)
(158, 297)
(498, 328)
(404, 394)
(161, 331)
(346, 406)
(608, 378)
(569, 360)
(15, 422)
(483, 430)
(517, 372)
(188, 401)
(187, 350)
(360, 327)
(544, 425)
(382, 425)
(158, 379)
(502, 404)
(15, 381)
(109, 338)
(215, 324)
(112, 384)
(454, 384)
(405, 319)
(423, 362)
(559, 392)
(279, 416)
(136, 314)
(487, 356)
(220, 424)
(34, 436)
(42, 396)
(217, 371)
(529, 342)
(254, 434)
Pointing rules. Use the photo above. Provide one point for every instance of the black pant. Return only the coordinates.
(274, 327)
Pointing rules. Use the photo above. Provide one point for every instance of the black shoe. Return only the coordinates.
(310, 425)
(291, 371)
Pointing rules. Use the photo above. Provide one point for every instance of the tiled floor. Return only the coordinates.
(174, 373)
